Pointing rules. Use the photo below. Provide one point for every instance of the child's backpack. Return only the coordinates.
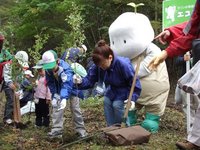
(1, 69)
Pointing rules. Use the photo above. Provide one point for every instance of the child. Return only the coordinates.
(26, 89)
(42, 98)
(59, 80)
(9, 76)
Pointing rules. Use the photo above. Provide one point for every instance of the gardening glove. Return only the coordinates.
(77, 79)
(157, 60)
(54, 103)
(55, 100)
(132, 107)
(62, 104)
(36, 100)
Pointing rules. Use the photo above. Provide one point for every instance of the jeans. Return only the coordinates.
(8, 112)
(113, 111)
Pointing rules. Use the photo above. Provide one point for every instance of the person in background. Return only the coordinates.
(180, 95)
(13, 76)
(5, 57)
(26, 89)
(42, 97)
(59, 80)
(117, 73)
(180, 38)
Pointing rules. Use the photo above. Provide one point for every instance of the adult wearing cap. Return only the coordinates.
(11, 82)
(59, 80)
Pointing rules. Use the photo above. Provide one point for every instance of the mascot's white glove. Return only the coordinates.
(77, 79)
(55, 100)
(132, 107)
(36, 100)
(62, 104)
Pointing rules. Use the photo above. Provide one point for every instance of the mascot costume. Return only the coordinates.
(131, 35)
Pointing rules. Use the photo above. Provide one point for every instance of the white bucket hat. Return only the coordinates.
(28, 72)
(22, 58)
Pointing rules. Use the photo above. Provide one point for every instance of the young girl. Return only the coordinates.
(42, 98)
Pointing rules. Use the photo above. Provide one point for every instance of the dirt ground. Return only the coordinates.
(172, 129)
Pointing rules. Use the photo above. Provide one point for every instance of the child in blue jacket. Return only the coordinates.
(59, 80)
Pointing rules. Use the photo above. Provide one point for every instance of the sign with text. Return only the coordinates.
(176, 11)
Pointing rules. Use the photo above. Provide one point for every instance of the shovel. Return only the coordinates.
(17, 113)
(128, 105)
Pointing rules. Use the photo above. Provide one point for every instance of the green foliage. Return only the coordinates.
(75, 20)
(16, 73)
(67, 22)
(35, 51)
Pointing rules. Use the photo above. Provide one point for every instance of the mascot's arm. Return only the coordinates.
(151, 51)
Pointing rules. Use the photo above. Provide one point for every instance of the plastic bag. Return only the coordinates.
(190, 81)
(29, 107)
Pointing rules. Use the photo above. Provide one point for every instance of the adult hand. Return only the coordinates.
(187, 57)
(163, 36)
(132, 107)
(157, 60)
(77, 79)
(62, 104)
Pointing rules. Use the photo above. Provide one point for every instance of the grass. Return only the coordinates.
(172, 129)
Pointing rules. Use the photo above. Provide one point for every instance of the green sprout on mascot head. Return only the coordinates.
(135, 6)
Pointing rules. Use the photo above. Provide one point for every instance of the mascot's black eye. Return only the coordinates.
(125, 41)
(113, 42)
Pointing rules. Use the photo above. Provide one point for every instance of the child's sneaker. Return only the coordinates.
(83, 135)
(8, 121)
(55, 134)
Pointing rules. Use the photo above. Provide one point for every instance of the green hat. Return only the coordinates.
(49, 59)
(38, 65)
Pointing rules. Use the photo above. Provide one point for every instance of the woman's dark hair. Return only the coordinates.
(101, 51)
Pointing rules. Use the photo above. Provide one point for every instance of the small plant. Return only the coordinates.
(34, 52)
(75, 20)
(135, 6)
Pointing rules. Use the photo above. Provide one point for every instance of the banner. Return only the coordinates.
(176, 11)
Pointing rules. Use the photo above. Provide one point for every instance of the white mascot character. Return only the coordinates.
(131, 35)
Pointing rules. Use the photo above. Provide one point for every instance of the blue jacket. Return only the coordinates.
(27, 90)
(118, 79)
(64, 85)
(72, 54)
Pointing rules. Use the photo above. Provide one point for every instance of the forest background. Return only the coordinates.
(39, 25)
